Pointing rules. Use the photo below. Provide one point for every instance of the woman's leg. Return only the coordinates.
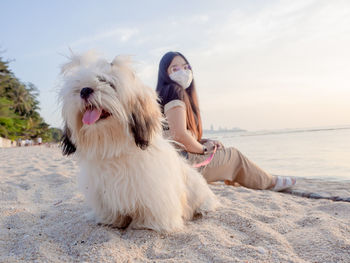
(231, 165)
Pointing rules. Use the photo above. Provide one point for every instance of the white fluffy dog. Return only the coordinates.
(130, 174)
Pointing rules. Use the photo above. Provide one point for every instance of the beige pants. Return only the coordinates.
(229, 165)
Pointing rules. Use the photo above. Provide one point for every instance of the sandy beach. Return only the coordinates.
(43, 218)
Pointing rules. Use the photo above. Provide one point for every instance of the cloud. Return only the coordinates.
(199, 19)
(120, 34)
(248, 61)
(285, 55)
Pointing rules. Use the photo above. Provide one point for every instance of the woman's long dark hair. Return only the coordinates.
(189, 95)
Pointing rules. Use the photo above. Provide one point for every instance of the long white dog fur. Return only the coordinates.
(130, 175)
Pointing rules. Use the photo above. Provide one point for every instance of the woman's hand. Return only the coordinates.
(218, 144)
(203, 140)
(209, 145)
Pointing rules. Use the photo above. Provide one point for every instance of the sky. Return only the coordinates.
(258, 65)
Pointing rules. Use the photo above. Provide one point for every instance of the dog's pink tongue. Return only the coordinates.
(91, 116)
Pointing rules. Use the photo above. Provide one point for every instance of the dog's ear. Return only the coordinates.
(122, 61)
(145, 120)
(145, 115)
(66, 144)
(75, 60)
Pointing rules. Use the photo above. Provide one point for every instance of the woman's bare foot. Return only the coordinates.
(228, 182)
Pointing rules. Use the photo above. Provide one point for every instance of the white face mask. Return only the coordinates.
(182, 77)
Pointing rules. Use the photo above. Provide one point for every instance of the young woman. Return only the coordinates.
(178, 98)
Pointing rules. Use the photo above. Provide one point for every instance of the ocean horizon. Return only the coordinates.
(318, 152)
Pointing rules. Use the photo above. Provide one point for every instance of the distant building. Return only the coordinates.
(222, 130)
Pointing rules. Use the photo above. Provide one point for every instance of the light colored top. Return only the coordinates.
(174, 103)
(170, 105)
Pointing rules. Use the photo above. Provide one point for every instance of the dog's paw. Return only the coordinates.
(209, 205)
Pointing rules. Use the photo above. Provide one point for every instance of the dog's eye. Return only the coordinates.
(104, 80)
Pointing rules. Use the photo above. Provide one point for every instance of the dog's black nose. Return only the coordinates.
(85, 92)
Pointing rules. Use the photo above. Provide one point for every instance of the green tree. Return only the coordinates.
(19, 109)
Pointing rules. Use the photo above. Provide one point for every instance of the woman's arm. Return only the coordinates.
(176, 117)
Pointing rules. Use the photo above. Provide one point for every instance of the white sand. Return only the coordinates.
(43, 219)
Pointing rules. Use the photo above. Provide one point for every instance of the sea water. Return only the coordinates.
(311, 153)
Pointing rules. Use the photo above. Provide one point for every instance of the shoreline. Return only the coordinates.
(302, 178)
(43, 218)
